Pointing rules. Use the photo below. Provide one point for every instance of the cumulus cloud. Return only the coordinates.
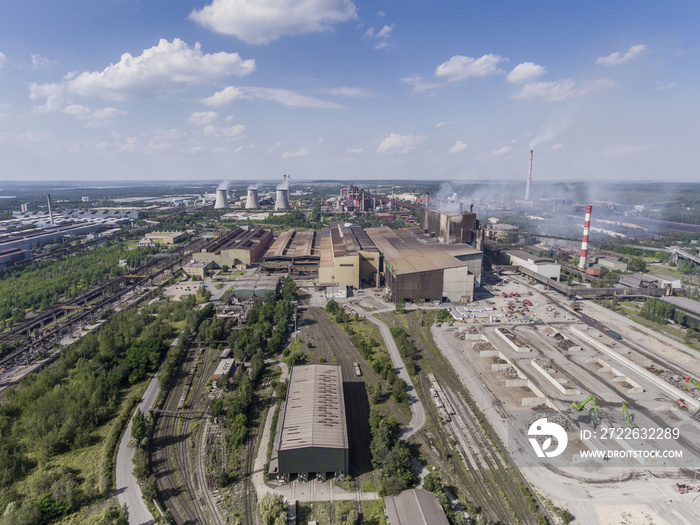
(202, 118)
(460, 67)
(561, 90)
(230, 132)
(443, 124)
(167, 67)
(382, 37)
(619, 58)
(257, 22)
(502, 151)
(301, 152)
(458, 146)
(401, 144)
(99, 116)
(525, 72)
(281, 96)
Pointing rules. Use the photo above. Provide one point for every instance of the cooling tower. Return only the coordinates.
(252, 201)
(282, 200)
(221, 199)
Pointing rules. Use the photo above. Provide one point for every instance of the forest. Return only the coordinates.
(40, 285)
(64, 408)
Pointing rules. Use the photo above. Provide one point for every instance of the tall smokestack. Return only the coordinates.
(48, 199)
(584, 244)
(529, 179)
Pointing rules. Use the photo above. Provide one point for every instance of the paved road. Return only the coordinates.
(418, 412)
(128, 489)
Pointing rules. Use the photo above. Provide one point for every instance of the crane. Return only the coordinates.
(582, 406)
(626, 415)
(688, 379)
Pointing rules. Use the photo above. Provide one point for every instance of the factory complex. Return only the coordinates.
(412, 263)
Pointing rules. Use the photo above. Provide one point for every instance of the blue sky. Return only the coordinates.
(339, 89)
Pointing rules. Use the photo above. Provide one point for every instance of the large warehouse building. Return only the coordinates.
(295, 252)
(313, 437)
(246, 246)
(419, 268)
(348, 256)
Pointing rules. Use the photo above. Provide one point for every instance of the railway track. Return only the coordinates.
(174, 454)
(487, 478)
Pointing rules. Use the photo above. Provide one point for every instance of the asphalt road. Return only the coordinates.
(418, 412)
(128, 489)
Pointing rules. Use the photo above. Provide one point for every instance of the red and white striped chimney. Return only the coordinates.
(529, 179)
(584, 244)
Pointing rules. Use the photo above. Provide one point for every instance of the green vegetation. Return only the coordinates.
(39, 286)
(66, 409)
(389, 455)
(272, 509)
(407, 349)
(657, 311)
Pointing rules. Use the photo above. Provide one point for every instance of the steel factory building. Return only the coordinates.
(297, 253)
(312, 437)
(419, 268)
(246, 245)
(348, 256)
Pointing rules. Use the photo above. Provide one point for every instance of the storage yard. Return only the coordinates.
(542, 358)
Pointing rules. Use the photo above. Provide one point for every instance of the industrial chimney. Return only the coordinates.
(252, 202)
(529, 179)
(48, 199)
(584, 244)
(221, 199)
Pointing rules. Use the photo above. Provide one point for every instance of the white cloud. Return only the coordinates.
(231, 132)
(458, 146)
(167, 67)
(350, 92)
(39, 62)
(660, 86)
(98, 116)
(560, 90)
(301, 152)
(460, 67)
(418, 84)
(525, 72)
(618, 58)
(443, 124)
(226, 96)
(401, 144)
(261, 22)
(281, 96)
(3, 59)
(202, 118)
(502, 151)
(382, 37)
(354, 150)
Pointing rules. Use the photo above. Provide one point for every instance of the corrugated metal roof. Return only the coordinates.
(410, 250)
(315, 411)
(414, 507)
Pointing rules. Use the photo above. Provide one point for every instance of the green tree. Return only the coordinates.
(139, 427)
(272, 509)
